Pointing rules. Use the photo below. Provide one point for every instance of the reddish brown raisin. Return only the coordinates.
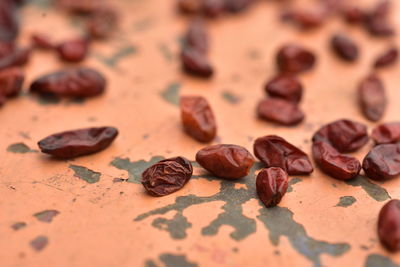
(42, 41)
(271, 184)
(376, 21)
(77, 82)
(17, 57)
(274, 151)
(190, 6)
(213, 8)
(372, 97)
(196, 36)
(196, 63)
(389, 57)
(73, 50)
(333, 163)
(353, 14)
(387, 133)
(9, 26)
(11, 81)
(344, 47)
(280, 111)
(75, 143)
(226, 161)
(102, 22)
(6, 48)
(236, 6)
(167, 176)
(80, 6)
(294, 58)
(382, 162)
(343, 135)
(285, 86)
(389, 225)
(197, 118)
(306, 19)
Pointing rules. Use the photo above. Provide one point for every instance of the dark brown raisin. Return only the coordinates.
(387, 133)
(344, 47)
(343, 135)
(102, 22)
(196, 36)
(285, 86)
(197, 118)
(280, 111)
(353, 14)
(271, 184)
(167, 176)
(41, 41)
(389, 225)
(196, 63)
(331, 162)
(9, 26)
(274, 151)
(295, 58)
(11, 81)
(77, 82)
(73, 50)
(236, 6)
(382, 162)
(75, 143)
(213, 8)
(306, 18)
(18, 57)
(377, 22)
(226, 161)
(388, 58)
(372, 97)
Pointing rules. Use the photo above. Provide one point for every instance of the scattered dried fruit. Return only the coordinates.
(382, 162)
(294, 58)
(344, 47)
(372, 97)
(73, 50)
(285, 86)
(386, 133)
(271, 184)
(196, 63)
(389, 225)
(280, 111)
(388, 58)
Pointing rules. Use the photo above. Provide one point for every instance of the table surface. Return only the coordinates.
(93, 209)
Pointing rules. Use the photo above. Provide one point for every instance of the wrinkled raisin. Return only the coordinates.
(102, 22)
(386, 133)
(167, 176)
(333, 163)
(285, 86)
(197, 118)
(77, 82)
(226, 161)
(17, 57)
(382, 162)
(389, 225)
(274, 151)
(280, 111)
(344, 47)
(75, 143)
(213, 8)
(11, 81)
(372, 97)
(389, 57)
(376, 21)
(353, 14)
(73, 50)
(196, 63)
(294, 58)
(271, 184)
(343, 135)
(196, 36)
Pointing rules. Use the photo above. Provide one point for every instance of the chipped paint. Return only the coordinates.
(85, 174)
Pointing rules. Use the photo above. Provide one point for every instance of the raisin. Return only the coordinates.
(344, 47)
(271, 184)
(386, 133)
(213, 8)
(18, 57)
(196, 36)
(280, 111)
(9, 26)
(190, 6)
(285, 86)
(76, 82)
(167, 176)
(376, 21)
(6, 48)
(294, 58)
(274, 151)
(41, 41)
(197, 118)
(73, 50)
(343, 135)
(196, 63)
(353, 14)
(382, 162)
(389, 225)
(372, 97)
(80, 6)
(306, 19)
(102, 22)
(333, 163)
(236, 6)
(11, 81)
(389, 57)
(226, 161)
(75, 143)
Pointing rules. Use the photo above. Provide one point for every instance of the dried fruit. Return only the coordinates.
(11, 81)
(73, 50)
(197, 118)
(271, 184)
(167, 176)
(76, 82)
(376, 21)
(382, 162)
(280, 111)
(386, 133)
(190, 6)
(389, 57)
(80, 6)
(75, 143)
(353, 14)
(226, 161)
(344, 47)
(294, 58)
(236, 6)
(196, 36)
(196, 63)
(102, 22)
(285, 86)
(274, 151)
(306, 18)
(17, 57)
(41, 41)
(213, 8)
(372, 97)
(343, 135)
(333, 163)
(389, 225)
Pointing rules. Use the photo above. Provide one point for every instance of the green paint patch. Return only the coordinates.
(166, 52)
(376, 260)
(20, 148)
(230, 97)
(176, 227)
(114, 59)
(43, 4)
(143, 24)
(172, 260)
(293, 182)
(373, 190)
(46, 215)
(46, 99)
(346, 201)
(85, 174)
(134, 168)
(18, 225)
(150, 263)
(171, 93)
(254, 54)
(39, 243)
